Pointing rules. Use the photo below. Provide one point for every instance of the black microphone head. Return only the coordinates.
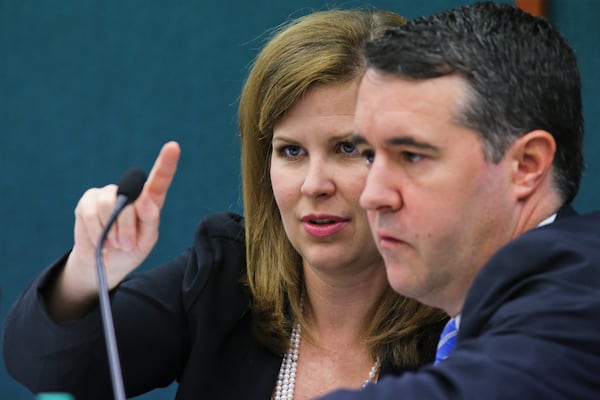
(131, 184)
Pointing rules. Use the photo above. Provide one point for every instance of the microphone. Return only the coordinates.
(130, 187)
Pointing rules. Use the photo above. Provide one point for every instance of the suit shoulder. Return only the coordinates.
(222, 225)
(577, 233)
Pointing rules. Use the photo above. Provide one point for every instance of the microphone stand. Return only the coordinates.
(105, 310)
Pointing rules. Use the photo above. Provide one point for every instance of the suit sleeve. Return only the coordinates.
(150, 312)
(71, 356)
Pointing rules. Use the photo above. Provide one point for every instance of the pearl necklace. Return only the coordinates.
(286, 381)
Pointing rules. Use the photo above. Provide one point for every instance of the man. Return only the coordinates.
(471, 125)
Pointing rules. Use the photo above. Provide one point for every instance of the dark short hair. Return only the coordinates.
(521, 75)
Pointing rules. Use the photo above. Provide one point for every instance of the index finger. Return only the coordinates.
(162, 173)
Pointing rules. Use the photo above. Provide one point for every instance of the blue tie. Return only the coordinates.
(447, 341)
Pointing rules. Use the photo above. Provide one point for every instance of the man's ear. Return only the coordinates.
(532, 156)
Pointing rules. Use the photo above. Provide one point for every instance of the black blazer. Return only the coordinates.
(530, 325)
(187, 320)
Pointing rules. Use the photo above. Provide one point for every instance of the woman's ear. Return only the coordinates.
(532, 156)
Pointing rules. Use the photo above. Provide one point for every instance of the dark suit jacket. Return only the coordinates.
(188, 320)
(530, 325)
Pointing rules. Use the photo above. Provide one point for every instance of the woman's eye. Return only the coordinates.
(291, 151)
(348, 148)
(369, 156)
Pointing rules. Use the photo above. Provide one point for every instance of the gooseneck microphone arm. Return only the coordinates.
(130, 187)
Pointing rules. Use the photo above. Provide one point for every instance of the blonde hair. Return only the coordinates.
(319, 48)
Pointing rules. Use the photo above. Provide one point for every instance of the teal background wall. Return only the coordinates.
(89, 88)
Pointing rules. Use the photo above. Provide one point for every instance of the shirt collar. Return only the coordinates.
(548, 220)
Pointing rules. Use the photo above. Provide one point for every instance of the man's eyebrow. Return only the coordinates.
(357, 140)
(409, 141)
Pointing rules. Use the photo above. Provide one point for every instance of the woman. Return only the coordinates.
(302, 280)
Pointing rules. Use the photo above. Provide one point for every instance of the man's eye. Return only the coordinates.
(412, 157)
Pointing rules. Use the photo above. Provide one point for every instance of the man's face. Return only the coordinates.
(437, 209)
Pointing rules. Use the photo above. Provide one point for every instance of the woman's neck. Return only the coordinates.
(338, 306)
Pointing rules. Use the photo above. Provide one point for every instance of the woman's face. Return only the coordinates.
(317, 177)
